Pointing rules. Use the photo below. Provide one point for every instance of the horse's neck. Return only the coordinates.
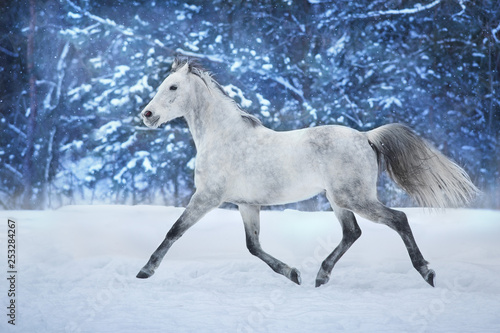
(213, 117)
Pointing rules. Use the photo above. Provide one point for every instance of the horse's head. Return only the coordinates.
(172, 99)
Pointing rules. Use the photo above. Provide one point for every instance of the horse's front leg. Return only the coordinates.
(198, 206)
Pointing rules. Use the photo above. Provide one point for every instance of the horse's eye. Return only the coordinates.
(174, 87)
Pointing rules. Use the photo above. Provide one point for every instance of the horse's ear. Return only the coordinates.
(181, 65)
(184, 68)
(175, 64)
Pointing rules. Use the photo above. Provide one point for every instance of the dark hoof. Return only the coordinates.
(143, 274)
(429, 277)
(320, 282)
(322, 278)
(295, 276)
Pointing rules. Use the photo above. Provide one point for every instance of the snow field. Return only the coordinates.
(77, 267)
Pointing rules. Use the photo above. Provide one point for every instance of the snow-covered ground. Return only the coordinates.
(77, 266)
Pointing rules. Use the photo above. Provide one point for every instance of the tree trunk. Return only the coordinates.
(30, 130)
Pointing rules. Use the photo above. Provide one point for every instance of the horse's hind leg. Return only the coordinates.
(350, 232)
(251, 220)
(398, 221)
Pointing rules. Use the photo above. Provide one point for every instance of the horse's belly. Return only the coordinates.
(297, 193)
(273, 190)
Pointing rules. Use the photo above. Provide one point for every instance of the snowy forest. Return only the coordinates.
(76, 73)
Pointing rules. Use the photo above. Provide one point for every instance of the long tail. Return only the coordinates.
(422, 171)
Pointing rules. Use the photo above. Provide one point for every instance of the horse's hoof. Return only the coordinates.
(143, 274)
(322, 278)
(295, 276)
(429, 277)
(321, 281)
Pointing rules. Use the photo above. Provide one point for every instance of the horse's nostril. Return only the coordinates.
(148, 114)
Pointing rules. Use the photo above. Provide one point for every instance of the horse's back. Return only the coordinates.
(341, 145)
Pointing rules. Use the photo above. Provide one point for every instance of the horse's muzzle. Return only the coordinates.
(149, 119)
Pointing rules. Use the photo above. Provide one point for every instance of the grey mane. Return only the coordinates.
(196, 69)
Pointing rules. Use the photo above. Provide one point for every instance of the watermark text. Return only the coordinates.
(11, 271)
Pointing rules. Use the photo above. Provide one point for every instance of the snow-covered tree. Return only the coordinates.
(433, 65)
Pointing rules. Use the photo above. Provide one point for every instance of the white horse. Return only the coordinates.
(242, 162)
